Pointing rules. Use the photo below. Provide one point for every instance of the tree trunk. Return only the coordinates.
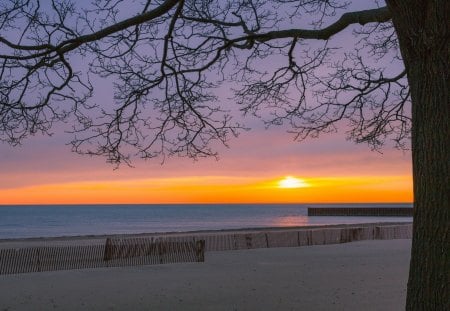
(423, 31)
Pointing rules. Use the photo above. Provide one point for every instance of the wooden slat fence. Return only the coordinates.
(303, 237)
(118, 252)
(114, 253)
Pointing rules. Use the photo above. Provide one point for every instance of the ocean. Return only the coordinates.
(25, 221)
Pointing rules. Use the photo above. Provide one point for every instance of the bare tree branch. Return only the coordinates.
(168, 58)
(361, 17)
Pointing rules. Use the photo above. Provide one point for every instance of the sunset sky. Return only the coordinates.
(330, 169)
(252, 170)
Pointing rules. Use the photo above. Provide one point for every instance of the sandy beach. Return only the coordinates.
(363, 275)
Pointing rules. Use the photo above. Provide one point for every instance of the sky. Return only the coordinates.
(260, 166)
(252, 170)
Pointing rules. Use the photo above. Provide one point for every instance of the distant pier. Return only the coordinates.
(361, 211)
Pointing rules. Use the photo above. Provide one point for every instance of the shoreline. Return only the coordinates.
(244, 238)
(194, 232)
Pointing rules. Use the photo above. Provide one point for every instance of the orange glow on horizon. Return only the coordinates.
(217, 189)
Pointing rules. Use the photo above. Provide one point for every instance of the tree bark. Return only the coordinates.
(423, 31)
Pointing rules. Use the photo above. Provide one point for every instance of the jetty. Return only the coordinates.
(361, 211)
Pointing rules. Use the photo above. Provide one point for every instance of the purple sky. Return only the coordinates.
(259, 153)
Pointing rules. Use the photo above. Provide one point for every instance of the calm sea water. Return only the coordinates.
(21, 221)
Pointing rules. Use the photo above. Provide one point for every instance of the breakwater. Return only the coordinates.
(361, 211)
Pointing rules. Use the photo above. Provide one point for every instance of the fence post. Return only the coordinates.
(200, 250)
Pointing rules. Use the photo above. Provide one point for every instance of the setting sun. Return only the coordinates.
(292, 182)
